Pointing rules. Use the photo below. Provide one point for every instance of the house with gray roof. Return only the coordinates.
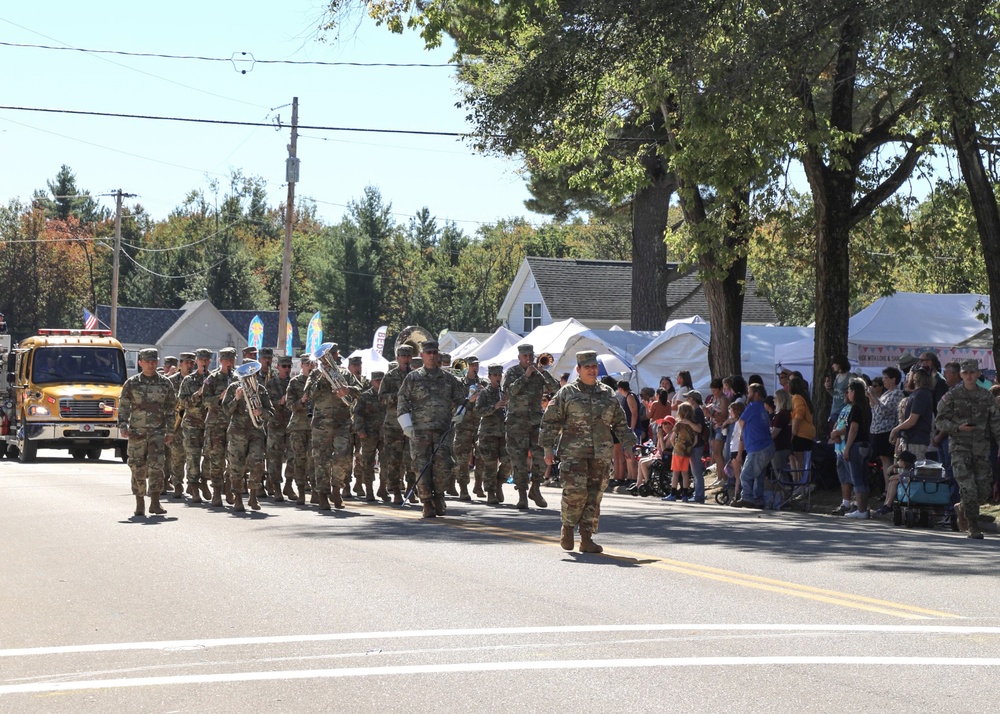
(598, 293)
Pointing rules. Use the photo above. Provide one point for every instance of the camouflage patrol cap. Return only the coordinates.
(428, 345)
(285, 361)
(446, 358)
(354, 360)
(249, 350)
(526, 349)
(267, 352)
(305, 356)
(171, 360)
(187, 357)
(149, 353)
(404, 351)
(472, 359)
(970, 365)
(587, 357)
(495, 369)
(393, 365)
(203, 353)
(376, 375)
(227, 353)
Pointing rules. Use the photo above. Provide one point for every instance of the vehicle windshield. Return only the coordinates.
(78, 363)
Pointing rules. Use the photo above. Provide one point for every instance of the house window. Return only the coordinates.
(532, 316)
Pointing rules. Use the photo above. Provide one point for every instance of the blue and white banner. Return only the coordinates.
(288, 337)
(255, 335)
(314, 335)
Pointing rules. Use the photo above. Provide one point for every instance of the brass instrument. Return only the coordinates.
(545, 360)
(413, 336)
(327, 365)
(246, 373)
(460, 366)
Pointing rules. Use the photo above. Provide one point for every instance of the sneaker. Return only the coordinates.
(669, 497)
(861, 515)
(840, 510)
(687, 499)
(744, 503)
(883, 511)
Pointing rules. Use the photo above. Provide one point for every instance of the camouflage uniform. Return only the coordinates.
(465, 438)
(362, 383)
(368, 417)
(216, 425)
(396, 455)
(176, 457)
(331, 435)
(970, 449)
(245, 442)
(491, 446)
(299, 434)
(430, 397)
(193, 425)
(581, 418)
(524, 414)
(277, 433)
(146, 407)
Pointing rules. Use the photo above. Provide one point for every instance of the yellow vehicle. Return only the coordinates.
(63, 394)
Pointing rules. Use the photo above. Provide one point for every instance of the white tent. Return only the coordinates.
(624, 344)
(684, 346)
(466, 348)
(489, 348)
(547, 338)
(370, 361)
(919, 319)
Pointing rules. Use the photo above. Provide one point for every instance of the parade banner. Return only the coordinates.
(288, 336)
(888, 355)
(378, 343)
(255, 335)
(314, 335)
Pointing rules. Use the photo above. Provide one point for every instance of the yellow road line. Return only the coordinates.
(808, 592)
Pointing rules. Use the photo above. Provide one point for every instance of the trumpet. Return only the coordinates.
(327, 366)
(545, 360)
(246, 373)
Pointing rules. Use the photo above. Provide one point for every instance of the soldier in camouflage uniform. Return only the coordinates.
(167, 369)
(354, 367)
(427, 400)
(968, 414)
(524, 385)
(277, 428)
(491, 445)
(146, 407)
(465, 435)
(368, 417)
(176, 456)
(193, 424)
(245, 442)
(392, 461)
(331, 434)
(216, 425)
(300, 433)
(581, 418)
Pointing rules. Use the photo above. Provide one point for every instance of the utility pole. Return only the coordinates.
(114, 270)
(291, 176)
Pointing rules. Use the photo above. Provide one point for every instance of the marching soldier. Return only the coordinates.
(249, 354)
(168, 369)
(169, 365)
(146, 406)
(354, 367)
(216, 424)
(425, 405)
(491, 447)
(277, 427)
(331, 435)
(245, 442)
(394, 440)
(581, 418)
(465, 435)
(175, 451)
(299, 433)
(193, 424)
(524, 385)
(368, 417)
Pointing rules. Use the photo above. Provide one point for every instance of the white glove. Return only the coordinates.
(406, 421)
(459, 416)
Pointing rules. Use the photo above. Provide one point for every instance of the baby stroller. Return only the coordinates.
(725, 495)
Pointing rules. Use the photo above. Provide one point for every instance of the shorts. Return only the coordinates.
(800, 443)
(718, 434)
(881, 446)
(680, 463)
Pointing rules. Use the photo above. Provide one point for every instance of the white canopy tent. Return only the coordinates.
(489, 348)
(370, 361)
(547, 338)
(624, 344)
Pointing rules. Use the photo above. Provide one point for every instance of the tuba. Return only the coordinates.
(413, 336)
(327, 366)
(246, 373)
(545, 360)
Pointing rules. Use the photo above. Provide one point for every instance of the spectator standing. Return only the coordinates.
(683, 385)
(857, 444)
(703, 431)
(667, 384)
(803, 428)
(718, 405)
(781, 430)
(836, 385)
(914, 431)
(682, 439)
(884, 404)
(939, 385)
(755, 435)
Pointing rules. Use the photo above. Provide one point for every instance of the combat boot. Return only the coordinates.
(314, 496)
(500, 483)
(227, 488)
(463, 492)
(566, 538)
(254, 502)
(397, 497)
(450, 490)
(972, 516)
(324, 501)
(194, 492)
(522, 498)
(963, 522)
(477, 489)
(154, 505)
(205, 492)
(338, 498)
(383, 492)
(439, 504)
(345, 493)
(289, 490)
(491, 498)
(238, 502)
(535, 494)
(178, 490)
(370, 493)
(216, 497)
(428, 510)
(301, 500)
(140, 506)
(359, 488)
(587, 544)
(413, 496)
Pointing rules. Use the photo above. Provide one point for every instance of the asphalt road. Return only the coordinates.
(690, 608)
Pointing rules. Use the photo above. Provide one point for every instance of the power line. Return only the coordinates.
(236, 58)
(175, 277)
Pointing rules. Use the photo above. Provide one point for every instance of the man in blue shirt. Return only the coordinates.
(755, 433)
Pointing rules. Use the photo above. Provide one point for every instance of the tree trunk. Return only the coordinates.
(725, 314)
(649, 252)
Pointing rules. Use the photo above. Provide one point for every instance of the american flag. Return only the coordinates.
(89, 320)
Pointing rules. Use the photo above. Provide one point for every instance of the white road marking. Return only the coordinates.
(472, 667)
(175, 645)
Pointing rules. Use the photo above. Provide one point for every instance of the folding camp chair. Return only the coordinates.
(793, 487)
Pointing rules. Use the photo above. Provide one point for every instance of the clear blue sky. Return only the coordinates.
(163, 161)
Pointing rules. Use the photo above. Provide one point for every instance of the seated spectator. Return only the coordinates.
(662, 451)
(659, 407)
(682, 439)
(905, 462)
(646, 397)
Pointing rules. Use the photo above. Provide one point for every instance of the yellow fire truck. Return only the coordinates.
(62, 393)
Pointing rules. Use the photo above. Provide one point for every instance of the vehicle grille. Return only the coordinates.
(86, 408)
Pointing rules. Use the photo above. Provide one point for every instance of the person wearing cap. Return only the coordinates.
(249, 354)
(425, 411)
(193, 424)
(580, 419)
(244, 402)
(907, 361)
(492, 459)
(524, 385)
(465, 436)
(396, 457)
(176, 457)
(216, 425)
(266, 359)
(368, 415)
(969, 416)
(146, 407)
(355, 367)
(169, 365)
(331, 434)
(277, 427)
(301, 467)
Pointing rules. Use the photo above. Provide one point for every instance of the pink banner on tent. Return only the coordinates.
(886, 355)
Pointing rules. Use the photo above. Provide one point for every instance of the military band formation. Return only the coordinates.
(256, 431)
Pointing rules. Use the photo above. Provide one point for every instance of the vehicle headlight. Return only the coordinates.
(38, 410)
